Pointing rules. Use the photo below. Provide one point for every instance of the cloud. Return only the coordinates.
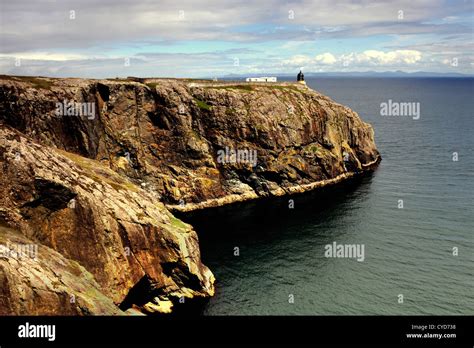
(388, 58)
(43, 35)
(46, 25)
(46, 56)
(325, 58)
(360, 60)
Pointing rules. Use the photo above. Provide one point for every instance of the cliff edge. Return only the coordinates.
(90, 170)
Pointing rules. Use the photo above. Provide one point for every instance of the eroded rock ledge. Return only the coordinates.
(97, 188)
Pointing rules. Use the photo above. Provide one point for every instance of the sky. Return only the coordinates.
(173, 38)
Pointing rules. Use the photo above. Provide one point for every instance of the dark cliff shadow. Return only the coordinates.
(265, 229)
(264, 217)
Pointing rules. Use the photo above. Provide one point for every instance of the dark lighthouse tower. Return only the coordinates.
(300, 78)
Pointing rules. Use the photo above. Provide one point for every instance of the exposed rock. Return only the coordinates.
(90, 214)
(169, 133)
(45, 282)
(158, 306)
(96, 187)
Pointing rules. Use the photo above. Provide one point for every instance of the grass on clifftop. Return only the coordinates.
(247, 88)
(35, 81)
(152, 85)
(118, 79)
(202, 104)
(250, 87)
(283, 88)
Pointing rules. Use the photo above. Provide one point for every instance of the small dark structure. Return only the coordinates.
(300, 76)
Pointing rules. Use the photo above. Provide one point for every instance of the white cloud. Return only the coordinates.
(103, 31)
(388, 58)
(298, 60)
(326, 58)
(363, 59)
(44, 56)
(120, 22)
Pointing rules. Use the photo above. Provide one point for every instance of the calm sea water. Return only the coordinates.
(408, 251)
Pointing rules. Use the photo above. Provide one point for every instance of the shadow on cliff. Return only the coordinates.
(243, 220)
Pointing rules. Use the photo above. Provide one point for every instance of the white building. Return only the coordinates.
(261, 79)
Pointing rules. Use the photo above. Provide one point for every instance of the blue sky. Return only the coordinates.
(92, 38)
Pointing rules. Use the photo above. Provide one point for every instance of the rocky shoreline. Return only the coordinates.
(91, 171)
(218, 202)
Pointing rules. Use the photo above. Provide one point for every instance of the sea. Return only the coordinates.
(413, 218)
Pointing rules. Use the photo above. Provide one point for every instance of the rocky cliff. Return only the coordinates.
(90, 169)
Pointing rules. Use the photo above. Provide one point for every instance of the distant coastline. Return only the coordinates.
(361, 74)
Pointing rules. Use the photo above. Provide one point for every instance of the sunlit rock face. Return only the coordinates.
(98, 235)
(199, 143)
(90, 169)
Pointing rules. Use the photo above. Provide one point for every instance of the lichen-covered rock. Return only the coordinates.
(176, 137)
(36, 280)
(95, 184)
(118, 232)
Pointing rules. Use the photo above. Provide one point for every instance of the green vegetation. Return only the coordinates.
(152, 85)
(247, 88)
(202, 104)
(40, 83)
(37, 82)
(118, 79)
(284, 88)
(251, 87)
(190, 80)
(177, 223)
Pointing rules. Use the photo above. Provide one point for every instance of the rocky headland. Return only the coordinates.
(91, 172)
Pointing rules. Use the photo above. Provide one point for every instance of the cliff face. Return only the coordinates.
(136, 251)
(177, 138)
(95, 186)
(46, 283)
